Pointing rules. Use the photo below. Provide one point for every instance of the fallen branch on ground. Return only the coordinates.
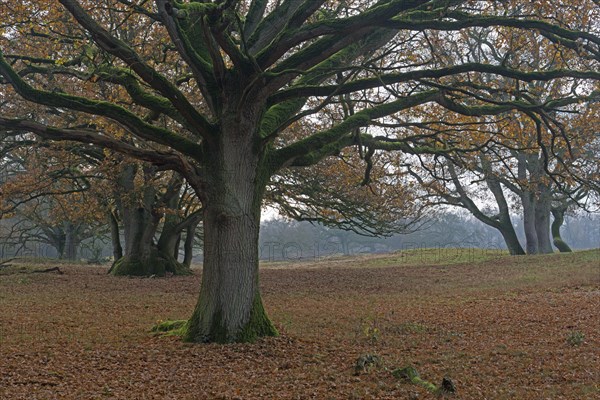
(54, 269)
(5, 263)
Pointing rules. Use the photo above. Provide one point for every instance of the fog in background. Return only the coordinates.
(300, 241)
(292, 240)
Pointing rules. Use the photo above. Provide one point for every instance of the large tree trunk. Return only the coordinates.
(540, 196)
(229, 307)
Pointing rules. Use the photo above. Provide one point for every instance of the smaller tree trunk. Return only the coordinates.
(140, 223)
(559, 218)
(531, 239)
(188, 246)
(542, 227)
(142, 256)
(57, 241)
(176, 247)
(72, 241)
(115, 236)
(510, 238)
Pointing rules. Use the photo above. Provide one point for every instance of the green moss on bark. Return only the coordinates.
(258, 325)
(155, 264)
(410, 374)
(170, 328)
(561, 245)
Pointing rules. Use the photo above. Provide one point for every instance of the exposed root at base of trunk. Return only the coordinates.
(155, 264)
(170, 328)
(259, 325)
(561, 245)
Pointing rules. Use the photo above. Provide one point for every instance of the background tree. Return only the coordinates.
(46, 196)
(147, 205)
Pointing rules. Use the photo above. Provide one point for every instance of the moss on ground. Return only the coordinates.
(170, 327)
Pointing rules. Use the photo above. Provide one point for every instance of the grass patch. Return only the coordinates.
(434, 256)
(575, 338)
(412, 327)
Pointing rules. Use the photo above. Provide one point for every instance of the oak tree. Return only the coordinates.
(208, 88)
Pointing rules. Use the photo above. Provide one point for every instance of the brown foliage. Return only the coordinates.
(498, 329)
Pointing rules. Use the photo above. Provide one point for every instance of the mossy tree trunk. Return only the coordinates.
(140, 223)
(230, 307)
(559, 219)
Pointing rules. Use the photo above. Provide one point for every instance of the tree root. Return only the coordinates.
(170, 328)
(42, 271)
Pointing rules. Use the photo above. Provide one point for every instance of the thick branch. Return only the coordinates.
(388, 79)
(101, 108)
(157, 81)
(318, 141)
(88, 136)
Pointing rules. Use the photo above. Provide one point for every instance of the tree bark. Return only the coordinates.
(115, 236)
(503, 220)
(72, 241)
(168, 242)
(528, 203)
(542, 222)
(510, 238)
(531, 238)
(56, 238)
(559, 218)
(188, 245)
(142, 256)
(230, 307)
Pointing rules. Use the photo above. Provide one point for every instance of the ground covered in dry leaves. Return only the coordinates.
(500, 327)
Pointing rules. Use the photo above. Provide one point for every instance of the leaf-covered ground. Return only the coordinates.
(499, 327)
